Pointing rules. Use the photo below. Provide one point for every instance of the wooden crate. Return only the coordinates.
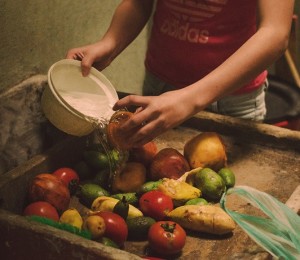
(262, 156)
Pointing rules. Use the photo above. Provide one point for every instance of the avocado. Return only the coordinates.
(122, 208)
(88, 192)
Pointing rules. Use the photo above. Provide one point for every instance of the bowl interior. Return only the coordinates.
(92, 96)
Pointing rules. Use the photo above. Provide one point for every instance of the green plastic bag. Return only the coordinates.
(279, 234)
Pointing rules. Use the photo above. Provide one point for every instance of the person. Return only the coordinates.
(202, 54)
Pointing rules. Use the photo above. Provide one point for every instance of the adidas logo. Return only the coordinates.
(184, 31)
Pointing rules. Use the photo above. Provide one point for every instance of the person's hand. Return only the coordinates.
(98, 55)
(155, 115)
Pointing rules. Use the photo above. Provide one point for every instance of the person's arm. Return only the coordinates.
(128, 20)
(257, 54)
(260, 51)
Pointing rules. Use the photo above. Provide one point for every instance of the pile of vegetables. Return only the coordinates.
(156, 196)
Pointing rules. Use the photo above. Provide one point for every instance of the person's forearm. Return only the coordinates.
(257, 54)
(128, 20)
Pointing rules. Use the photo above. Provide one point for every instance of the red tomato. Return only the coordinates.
(166, 237)
(41, 208)
(115, 227)
(69, 177)
(155, 204)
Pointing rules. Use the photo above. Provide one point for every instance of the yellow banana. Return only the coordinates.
(104, 203)
(71, 216)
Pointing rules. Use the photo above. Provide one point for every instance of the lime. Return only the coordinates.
(227, 176)
(114, 155)
(210, 183)
(197, 201)
(96, 160)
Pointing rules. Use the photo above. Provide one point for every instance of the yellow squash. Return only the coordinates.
(204, 218)
(105, 203)
(71, 216)
(179, 191)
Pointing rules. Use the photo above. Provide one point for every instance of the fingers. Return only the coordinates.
(86, 64)
(75, 54)
(71, 54)
(141, 115)
(86, 60)
(146, 133)
(148, 121)
(131, 100)
(143, 127)
(91, 55)
(139, 109)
